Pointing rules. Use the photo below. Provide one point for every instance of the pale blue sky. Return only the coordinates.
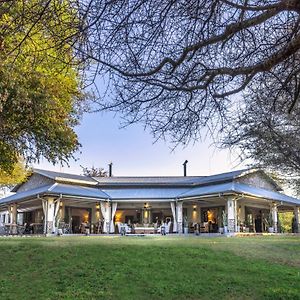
(133, 153)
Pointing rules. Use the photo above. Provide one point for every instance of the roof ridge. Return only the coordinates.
(37, 170)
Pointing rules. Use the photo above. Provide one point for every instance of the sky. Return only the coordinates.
(134, 153)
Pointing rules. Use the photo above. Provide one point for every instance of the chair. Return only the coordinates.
(168, 227)
(21, 229)
(124, 226)
(3, 230)
(65, 227)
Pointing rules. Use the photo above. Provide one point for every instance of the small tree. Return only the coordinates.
(94, 172)
(224, 218)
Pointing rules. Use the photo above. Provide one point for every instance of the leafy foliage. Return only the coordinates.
(18, 175)
(286, 219)
(94, 172)
(40, 97)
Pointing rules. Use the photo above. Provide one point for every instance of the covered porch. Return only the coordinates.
(55, 203)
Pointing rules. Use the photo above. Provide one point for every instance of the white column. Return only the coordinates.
(13, 214)
(56, 218)
(49, 215)
(13, 218)
(106, 214)
(231, 215)
(274, 213)
(297, 218)
(173, 209)
(113, 212)
(179, 213)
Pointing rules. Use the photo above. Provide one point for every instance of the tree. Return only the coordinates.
(18, 175)
(177, 65)
(40, 86)
(94, 172)
(267, 129)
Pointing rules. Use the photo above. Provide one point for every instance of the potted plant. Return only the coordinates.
(269, 223)
(185, 225)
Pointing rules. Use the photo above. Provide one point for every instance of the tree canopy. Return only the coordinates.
(175, 65)
(17, 175)
(94, 172)
(40, 85)
(231, 66)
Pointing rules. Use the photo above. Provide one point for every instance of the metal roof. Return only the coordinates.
(239, 188)
(144, 193)
(159, 180)
(57, 189)
(60, 176)
(26, 194)
(139, 188)
(171, 180)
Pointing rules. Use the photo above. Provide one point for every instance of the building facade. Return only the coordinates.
(240, 201)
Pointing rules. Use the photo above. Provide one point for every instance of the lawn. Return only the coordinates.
(150, 268)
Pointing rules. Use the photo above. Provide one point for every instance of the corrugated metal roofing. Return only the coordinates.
(26, 194)
(172, 181)
(131, 188)
(57, 189)
(239, 188)
(80, 191)
(144, 193)
(61, 176)
(263, 193)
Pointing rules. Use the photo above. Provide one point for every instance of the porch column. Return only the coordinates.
(106, 214)
(231, 215)
(274, 213)
(13, 213)
(179, 216)
(113, 212)
(297, 218)
(49, 215)
(173, 209)
(13, 218)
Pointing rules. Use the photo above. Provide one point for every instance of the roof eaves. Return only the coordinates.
(76, 181)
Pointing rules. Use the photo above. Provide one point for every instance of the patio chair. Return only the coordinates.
(67, 229)
(3, 230)
(21, 229)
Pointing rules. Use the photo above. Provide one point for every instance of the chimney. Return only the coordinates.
(110, 169)
(184, 168)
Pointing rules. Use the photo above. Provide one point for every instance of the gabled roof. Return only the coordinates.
(239, 188)
(66, 177)
(139, 188)
(57, 189)
(59, 177)
(171, 180)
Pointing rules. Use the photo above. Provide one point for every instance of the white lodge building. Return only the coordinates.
(240, 201)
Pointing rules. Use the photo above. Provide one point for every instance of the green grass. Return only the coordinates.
(150, 268)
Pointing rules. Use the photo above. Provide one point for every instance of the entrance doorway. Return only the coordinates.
(78, 218)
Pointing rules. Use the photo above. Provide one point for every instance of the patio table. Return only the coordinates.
(146, 230)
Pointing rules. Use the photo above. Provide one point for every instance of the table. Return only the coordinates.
(146, 230)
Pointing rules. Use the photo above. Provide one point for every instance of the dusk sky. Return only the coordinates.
(133, 153)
